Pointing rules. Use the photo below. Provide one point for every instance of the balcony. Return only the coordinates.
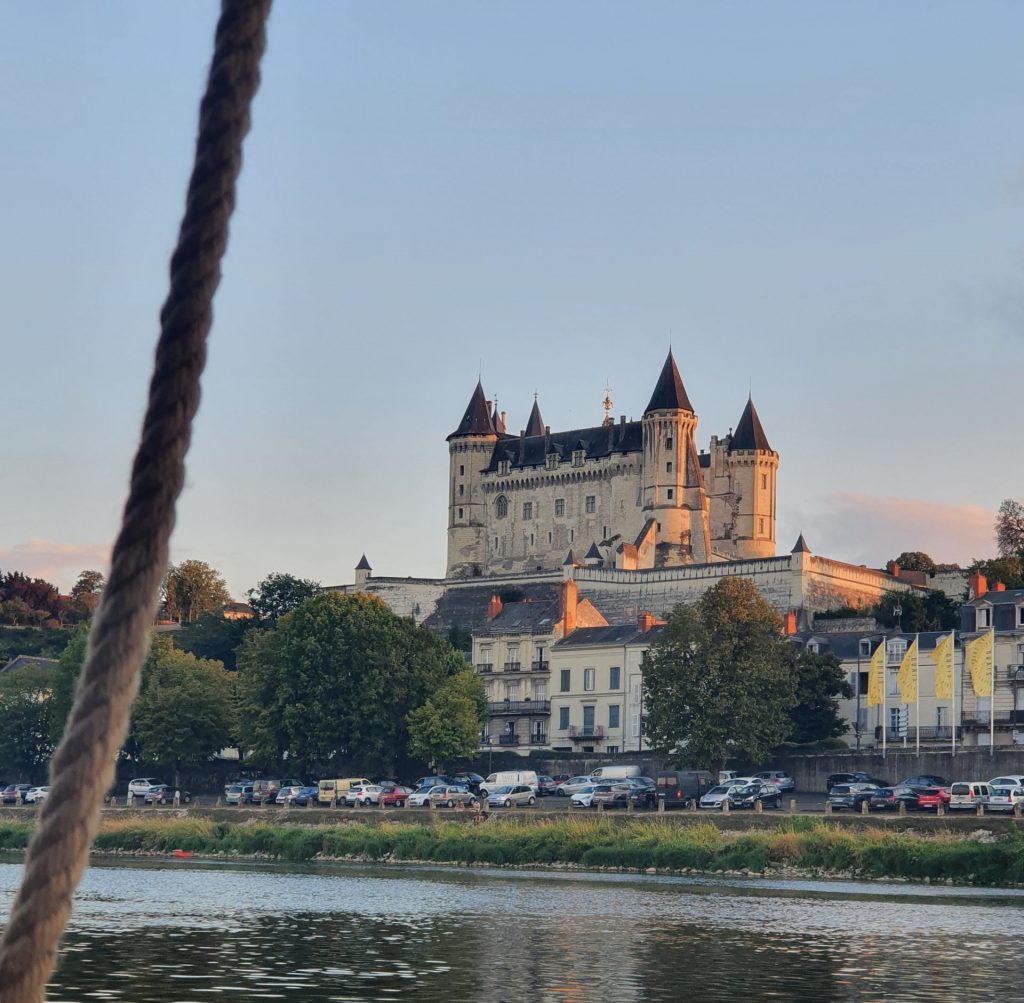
(540, 666)
(595, 734)
(1004, 719)
(513, 666)
(485, 667)
(497, 707)
(508, 740)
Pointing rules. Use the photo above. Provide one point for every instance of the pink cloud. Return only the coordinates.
(870, 529)
(59, 563)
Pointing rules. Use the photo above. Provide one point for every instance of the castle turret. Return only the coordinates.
(469, 452)
(673, 487)
(753, 466)
(535, 426)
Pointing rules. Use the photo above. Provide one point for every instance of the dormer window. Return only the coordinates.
(551, 461)
(865, 649)
(984, 620)
(578, 455)
(813, 647)
(1020, 616)
(504, 466)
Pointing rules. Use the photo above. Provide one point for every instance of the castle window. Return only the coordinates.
(501, 507)
(531, 539)
(590, 504)
(670, 494)
(549, 539)
(572, 535)
(527, 510)
(668, 442)
(577, 457)
(559, 506)
(462, 489)
(462, 470)
(668, 468)
(760, 525)
(552, 461)
(764, 482)
(460, 513)
(504, 466)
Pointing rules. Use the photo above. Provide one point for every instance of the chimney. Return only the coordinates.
(503, 413)
(547, 440)
(999, 587)
(522, 446)
(977, 585)
(893, 568)
(645, 620)
(789, 623)
(494, 607)
(568, 600)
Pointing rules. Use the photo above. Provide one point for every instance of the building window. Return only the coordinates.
(511, 692)
(668, 442)
(460, 513)
(671, 494)
(501, 507)
(559, 506)
(812, 647)
(865, 649)
(563, 718)
(504, 466)
(577, 457)
(894, 687)
(614, 677)
(563, 681)
(1020, 616)
(764, 482)
(760, 525)
(462, 470)
(613, 715)
(984, 617)
(551, 461)
(572, 535)
(611, 750)
(527, 510)
(668, 468)
(549, 539)
(590, 505)
(462, 489)
(531, 539)
(588, 679)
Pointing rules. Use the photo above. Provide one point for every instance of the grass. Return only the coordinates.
(806, 845)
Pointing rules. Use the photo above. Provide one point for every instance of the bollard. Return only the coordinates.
(758, 806)
(940, 810)
(216, 804)
(113, 801)
(693, 804)
(1016, 809)
(864, 807)
(661, 806)
(828, 807)
(981, 810)
(792, 806)
(177, 799)
(901, 808)
(131, 800)
(725, 806)
(600, 806)
(629, 804)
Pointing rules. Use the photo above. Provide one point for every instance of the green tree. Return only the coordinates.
(1008, 570)
(915, 560)
(65, 679)
(820, 683)
(185, 711)
(720, 681)
(214, 636)
(16, 611)
(26, 728)
(191, 589)
(447, 725)
(334, 681)
(933, 610)
(86, 592)
(1010, 529)
(280, 593)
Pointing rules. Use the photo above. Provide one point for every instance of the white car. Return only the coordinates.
(287, 794)
(1004, 798)
(716, 796)
(573, 786)
(363, 794)
(421, 798)
(36, 795)
(512, 794)
(143, 785)
(584, 797)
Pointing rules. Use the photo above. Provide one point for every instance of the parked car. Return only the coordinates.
(850, 796)
(560, 778)
(1003, 798)
(1010, 780)
(613, 795)
(470, 780)
(305, 797)
(432, 782)
(677, 788)
(931, 797)
(890, 798)
(362, 795)
(714, 797)
(584, 797)
(643, 792)
(512, 794)
(748, 795)
(967, 794)
(15, 793)
(853, 778)
(164, 794)
(924, 782)
(545, 786)
(35, 795)
(567, 788)
(396, 797)
(421, 798)
(451, 795)
(285, 794)
(780, 778)
(142, 786)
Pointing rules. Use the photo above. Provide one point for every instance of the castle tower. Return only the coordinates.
(672, 487)
(753, 466)
(469, 452)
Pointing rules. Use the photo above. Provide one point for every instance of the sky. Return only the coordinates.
(818, 203)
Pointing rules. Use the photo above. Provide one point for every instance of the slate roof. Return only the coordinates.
(845, 645)
(29, 661)
(477, 419)
(535, 426)
(593, 553)
(669, 393)
(466, 606)
(522, 618)
(364, 564)
(597, 442)
(1008, 597)
(615, 636)
(800, 547)
(749, 434)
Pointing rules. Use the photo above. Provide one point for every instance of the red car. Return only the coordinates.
(395, 798)
(932, 797)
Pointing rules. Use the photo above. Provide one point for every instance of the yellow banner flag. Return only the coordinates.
(978, 656)
(907, 675)
(876, 676)
(944, 668)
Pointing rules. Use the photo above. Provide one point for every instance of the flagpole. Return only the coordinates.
(885, 687)
(917, 691)
(992, 699)
(952, 685)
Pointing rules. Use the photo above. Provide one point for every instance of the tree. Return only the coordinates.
(333, 682)
(213, 636)
(1008, 570)
(720, 681)
(447, 726)
(16, 611)
(1010, 529)
(280, 593)
(185, 711)
(915, 560)
(86, 592)
(26, 730)
(820, 682)
(193, 588)
(933, 610)
(65, 679)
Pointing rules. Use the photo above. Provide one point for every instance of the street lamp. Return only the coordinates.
(897, 611)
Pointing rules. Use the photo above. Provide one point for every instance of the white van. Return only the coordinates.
(967, 794)
(615, 772)
(509, 778)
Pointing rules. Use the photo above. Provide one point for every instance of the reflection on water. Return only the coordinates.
(175, 933)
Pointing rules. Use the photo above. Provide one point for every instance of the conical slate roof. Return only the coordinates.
(535, 426)
(800, 547)
(364, 564)
(593, 553)
(570, 559)
(749, 434)
(669, 394)
(499, 425)
(477, 419)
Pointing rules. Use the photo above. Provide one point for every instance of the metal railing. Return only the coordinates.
(519, 706)
(513, 666)
(508, 740)
(540, 666)
(485, 667)
(582, 734)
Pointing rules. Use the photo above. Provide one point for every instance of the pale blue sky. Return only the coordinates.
(821, 201)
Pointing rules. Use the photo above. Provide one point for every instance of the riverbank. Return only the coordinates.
(799, 847)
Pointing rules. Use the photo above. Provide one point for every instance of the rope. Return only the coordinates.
(83, 766)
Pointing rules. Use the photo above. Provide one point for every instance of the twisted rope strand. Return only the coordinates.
(83, 766)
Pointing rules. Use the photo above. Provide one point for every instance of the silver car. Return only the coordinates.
(781, 780)
(715, 797)
(506, 797)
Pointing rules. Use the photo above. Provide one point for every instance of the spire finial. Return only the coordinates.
(607, 404)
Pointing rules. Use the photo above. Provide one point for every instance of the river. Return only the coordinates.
(188, 932)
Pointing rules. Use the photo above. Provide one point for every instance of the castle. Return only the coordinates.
(634, 495)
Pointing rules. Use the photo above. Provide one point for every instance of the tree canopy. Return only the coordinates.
(26, 727)
(933, 610)
(720, 680)
(1008, 570)
(280, 593)
(915, 560)
(191, 589)
(447, 726)
(820, 682)
(1010, 529)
